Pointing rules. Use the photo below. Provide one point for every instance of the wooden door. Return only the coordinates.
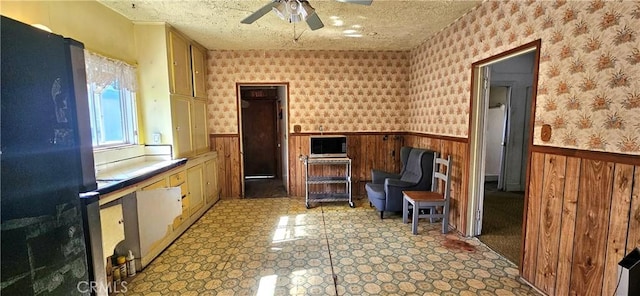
(259, 137)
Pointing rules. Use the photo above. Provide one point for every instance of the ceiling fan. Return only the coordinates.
(295, 11)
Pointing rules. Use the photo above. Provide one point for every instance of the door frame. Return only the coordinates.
(282, 128)
(476, 133)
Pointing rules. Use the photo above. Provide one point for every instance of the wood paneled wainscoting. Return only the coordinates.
(382, 151)
(228, 148)
(366, 150)
(458, 148)
(582, 217)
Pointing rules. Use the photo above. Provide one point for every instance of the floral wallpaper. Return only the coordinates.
(589, 75)
(340, 90)
(588, 84)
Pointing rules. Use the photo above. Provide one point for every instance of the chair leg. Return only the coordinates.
(381, 215)
(414, 218)
(405, 210)
(445, 218)
(432, 211)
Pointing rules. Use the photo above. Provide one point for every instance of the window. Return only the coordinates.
(112, 101)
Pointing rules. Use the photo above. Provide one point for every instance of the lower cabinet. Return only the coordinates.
(156, 185)
(179, 180)
(195, 176)
(211, 180)
(153, 213)
(112, 225)
(157, 211)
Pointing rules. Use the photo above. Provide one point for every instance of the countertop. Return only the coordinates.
(121, 177)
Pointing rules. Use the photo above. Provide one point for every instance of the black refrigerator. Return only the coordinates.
(47, 161)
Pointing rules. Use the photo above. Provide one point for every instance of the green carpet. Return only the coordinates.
(502, 223)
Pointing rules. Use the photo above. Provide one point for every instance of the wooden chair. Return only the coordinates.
(429, 200)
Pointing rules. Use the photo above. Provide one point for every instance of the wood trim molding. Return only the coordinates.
(438, 137)
(593, 155)
(224, 135)
(347, 134)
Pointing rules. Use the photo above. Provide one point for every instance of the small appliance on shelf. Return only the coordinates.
(325, 146)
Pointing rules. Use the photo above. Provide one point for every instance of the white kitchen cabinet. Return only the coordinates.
(112, 225)
(157, 210)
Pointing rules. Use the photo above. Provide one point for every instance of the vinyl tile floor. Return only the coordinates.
(276, 246)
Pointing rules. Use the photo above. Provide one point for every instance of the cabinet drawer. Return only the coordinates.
(176, 179)
(156, 185)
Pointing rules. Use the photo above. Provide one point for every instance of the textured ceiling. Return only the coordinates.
(385, 25)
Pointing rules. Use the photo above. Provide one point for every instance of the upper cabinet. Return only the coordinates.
(172, 89)
(198, 58)
(180, 65)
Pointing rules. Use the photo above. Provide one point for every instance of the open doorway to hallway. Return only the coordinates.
(501, 135)
(263, 131)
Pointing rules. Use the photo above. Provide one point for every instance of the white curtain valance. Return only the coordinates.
(103, 71)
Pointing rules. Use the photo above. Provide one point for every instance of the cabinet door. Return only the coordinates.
(200, 134)
(181, 121)
(180, 64)
(198, 57)
(196, 188)
(112, 224)
(211, 180)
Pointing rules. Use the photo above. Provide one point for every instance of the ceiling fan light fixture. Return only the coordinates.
(307, 9)
(281, 10)
(293, 11)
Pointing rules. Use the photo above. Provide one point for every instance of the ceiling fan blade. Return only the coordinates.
(314, 22)
(361, 2)
(260, 12)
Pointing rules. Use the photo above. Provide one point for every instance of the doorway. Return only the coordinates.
(263, 139)
(501, 132)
